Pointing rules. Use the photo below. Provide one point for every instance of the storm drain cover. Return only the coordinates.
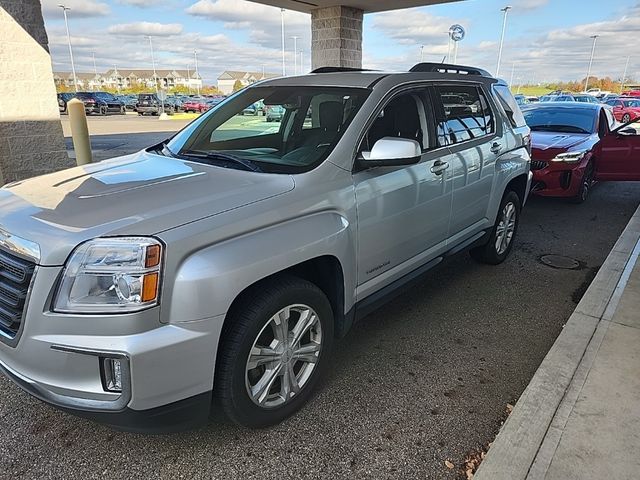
(560, 261)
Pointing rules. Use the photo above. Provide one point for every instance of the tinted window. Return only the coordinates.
(561, 119)
(466, 114)
(509, 105)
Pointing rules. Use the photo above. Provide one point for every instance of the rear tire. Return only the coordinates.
(626, 118)
(503, 233)
(265, 374)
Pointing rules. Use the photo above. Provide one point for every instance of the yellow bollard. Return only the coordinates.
(79, 131)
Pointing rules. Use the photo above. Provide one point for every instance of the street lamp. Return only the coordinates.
(504, 28)
(593, 50)
(153, 63)
(284, 68)
(624, 75)
(195, 55)
(421, 53)
(295, 54)
(73, 66)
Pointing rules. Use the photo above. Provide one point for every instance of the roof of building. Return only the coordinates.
(147, 73)
(237, 75)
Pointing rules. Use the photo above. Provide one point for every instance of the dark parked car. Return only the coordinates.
(101, 103)
(130, 102)
(150, 103)
(63, 98)
(575, 144)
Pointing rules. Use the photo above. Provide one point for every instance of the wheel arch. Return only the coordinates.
(325, 271)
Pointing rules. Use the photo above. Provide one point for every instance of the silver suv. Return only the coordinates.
(213, 271)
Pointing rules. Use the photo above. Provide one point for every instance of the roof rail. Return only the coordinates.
(448, 68)
(339, 69)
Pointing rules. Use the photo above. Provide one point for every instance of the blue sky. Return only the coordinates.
(546, 39)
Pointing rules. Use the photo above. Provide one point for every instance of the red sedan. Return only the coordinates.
(625, 109)
(576, 144)
(195, 105)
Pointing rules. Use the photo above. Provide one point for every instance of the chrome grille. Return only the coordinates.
(538, 164)
(15, 278)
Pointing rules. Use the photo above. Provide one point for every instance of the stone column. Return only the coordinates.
(336, 37)
(31, 140)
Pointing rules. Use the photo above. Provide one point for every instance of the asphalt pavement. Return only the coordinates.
(424, 380)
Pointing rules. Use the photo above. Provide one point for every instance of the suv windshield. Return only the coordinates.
(313, 121)
(567, 120)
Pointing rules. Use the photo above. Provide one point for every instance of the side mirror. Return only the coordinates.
(391, 152)
(625, 131)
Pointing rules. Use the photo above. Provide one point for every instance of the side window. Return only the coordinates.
(611, 121)
(403, 117)
(510, 106)
(466, 114)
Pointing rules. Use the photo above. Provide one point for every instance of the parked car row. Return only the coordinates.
(103, 103)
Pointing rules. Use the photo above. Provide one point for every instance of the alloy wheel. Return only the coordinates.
(626, 118)
(506, 228)
(283, 356)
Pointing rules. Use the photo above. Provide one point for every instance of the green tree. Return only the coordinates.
(237, 86)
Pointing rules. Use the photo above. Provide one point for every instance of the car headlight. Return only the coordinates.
(111, 275)
(570, 157)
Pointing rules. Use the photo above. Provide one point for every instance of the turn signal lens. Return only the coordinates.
(150, 287)
(152, 256)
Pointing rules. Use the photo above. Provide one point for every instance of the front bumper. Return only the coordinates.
(557, 179)
(166, 367)
(148, 109)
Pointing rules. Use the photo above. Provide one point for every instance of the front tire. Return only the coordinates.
(276, 345)
(585, 185)
(503, 233)
(626, 118)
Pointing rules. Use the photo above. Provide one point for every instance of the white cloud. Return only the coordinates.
(261, 21)
(79, 8)
(146, 28)
(414, 27)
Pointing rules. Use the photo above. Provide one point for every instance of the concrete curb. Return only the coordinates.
(527, 440)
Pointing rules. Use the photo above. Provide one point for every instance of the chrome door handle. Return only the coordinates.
(496, 147)
(439, 167)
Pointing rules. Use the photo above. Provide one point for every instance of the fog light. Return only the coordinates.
(111, 372)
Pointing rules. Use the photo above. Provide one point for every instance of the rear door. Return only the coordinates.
(466, 126)
(618, 153)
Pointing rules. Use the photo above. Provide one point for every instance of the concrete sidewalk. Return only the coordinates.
(579, 418)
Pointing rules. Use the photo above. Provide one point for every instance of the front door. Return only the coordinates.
(618, 154)
(403, 212)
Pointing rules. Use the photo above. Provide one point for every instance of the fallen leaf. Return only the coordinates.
(448, 464)
(509, 408)
(469, 474)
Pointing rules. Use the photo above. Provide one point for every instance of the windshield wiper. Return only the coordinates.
(558, 128)
(214, 156)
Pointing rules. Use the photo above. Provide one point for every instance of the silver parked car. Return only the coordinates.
(215, 269)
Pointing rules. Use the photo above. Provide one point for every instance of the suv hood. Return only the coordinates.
(140, 194)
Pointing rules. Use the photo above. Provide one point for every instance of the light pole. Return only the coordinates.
(624, 75)
(295, 54)
(449, 46)
(593, 50)
(302, 62)
(284, 68)
(189, 78)
(513, 69)
(73, 65)
(153, 63)
(421, 53)
(195, 56)
(504, 29)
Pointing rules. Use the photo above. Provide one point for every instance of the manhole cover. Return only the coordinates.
(560, 261)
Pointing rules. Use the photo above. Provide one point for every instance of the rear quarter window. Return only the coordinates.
(510, 106)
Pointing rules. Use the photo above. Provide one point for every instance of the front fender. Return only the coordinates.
(208, 280)
(509, 166)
